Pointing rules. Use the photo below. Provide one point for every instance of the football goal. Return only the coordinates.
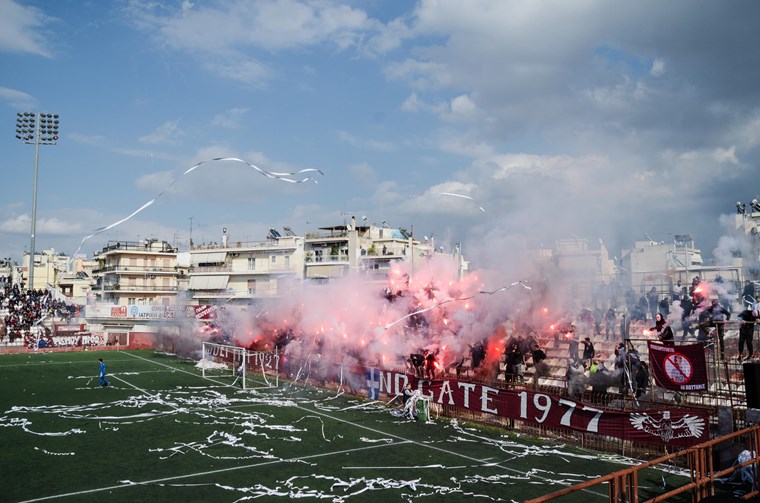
(238, 366)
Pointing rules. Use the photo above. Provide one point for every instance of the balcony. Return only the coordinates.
(241, 271)
(285, 243)
(327, 259)
(137, 288)
(134, 246)
(135, 270)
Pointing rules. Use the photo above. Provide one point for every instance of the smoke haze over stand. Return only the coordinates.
(348, 320)
(600, 129)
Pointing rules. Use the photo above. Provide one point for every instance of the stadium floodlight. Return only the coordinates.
(39, 129)
(755, 205)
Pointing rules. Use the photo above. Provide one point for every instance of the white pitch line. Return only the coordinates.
(397, 437)
(479, 461)
(212, 472)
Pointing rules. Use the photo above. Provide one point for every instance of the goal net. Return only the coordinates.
(237, 366)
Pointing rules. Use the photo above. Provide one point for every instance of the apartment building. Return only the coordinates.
(236, 272)
(136, 273)
(48, 266)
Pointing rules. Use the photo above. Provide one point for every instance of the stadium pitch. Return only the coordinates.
(161, 432)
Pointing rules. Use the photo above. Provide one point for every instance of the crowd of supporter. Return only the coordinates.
(26, 308)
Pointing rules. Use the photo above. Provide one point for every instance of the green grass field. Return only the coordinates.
(161, 432)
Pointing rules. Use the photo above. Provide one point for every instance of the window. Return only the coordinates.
(287, 261)
(274, 258)
(130, 300)
(251, 287)
(251, 263)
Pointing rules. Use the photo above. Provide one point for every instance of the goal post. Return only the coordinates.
(237, 365)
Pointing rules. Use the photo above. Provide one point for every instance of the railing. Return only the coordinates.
(623, 484)
(283, 243)
(135, 269)
(138, 288)
(321, 259)
(229, 269)
(152, 247)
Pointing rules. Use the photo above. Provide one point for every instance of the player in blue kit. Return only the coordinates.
(103, 380)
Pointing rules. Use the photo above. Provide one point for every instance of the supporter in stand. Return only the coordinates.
(515, 365)
(662, 329)
(27, 308)
(748, 319)
(609, 324)
(687, 307)
(719, 315)
(588, 350)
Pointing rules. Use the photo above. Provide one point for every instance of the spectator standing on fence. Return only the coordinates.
(102, 370)
(686, 310)
(588, 350)
(609, 324)
(515, 364)
(642, 379)
(430, 365)
(748, 318)
(719, 315)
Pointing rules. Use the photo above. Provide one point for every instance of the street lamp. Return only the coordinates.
(39, 129)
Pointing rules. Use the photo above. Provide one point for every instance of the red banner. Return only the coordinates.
(676, 426)
(204, 312)
(57, 341)
(678, 368)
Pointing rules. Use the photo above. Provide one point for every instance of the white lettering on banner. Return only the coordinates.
(266, 360)
(485, 399)
(385, 382)
(92, 340)
(400, 387)
(66, 340)
(446, 390)
(421, 387)
(543, 405)
(203, 312)
(468, 387)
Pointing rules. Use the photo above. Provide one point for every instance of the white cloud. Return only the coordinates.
(17, 99)
(463, 109)
(658, 68)
(377, 145)
(231, 119)
(168, 133)
(223, 35)
(412, 104)
(86, 139)
(21, 29)
(21, 224)
(363, 173)
(155, 182)
(725, 155)
(466, 144)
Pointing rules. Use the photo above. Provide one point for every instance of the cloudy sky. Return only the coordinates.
(604, 120)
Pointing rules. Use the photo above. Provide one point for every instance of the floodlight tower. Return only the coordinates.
(39, 129)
